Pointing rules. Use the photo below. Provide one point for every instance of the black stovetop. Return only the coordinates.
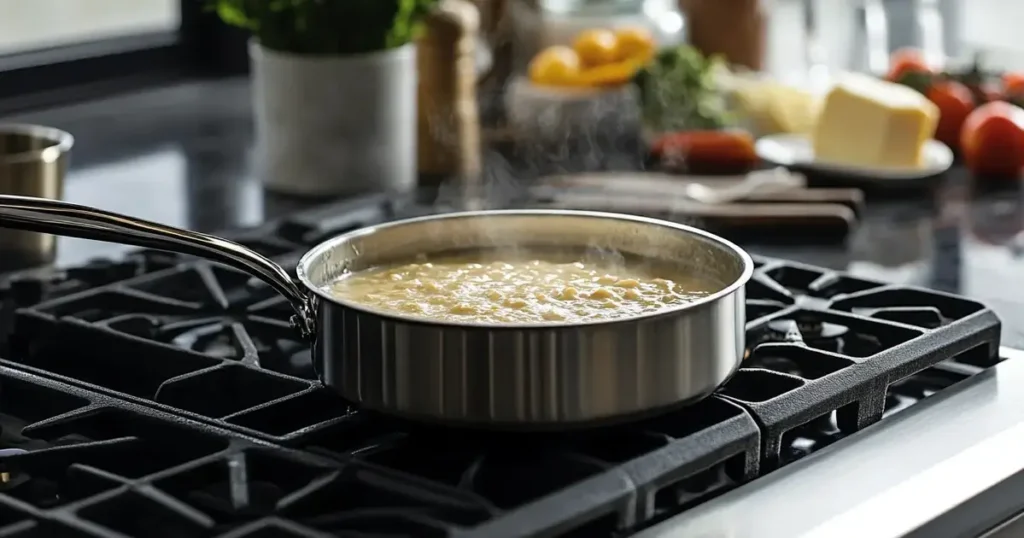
(160, 396)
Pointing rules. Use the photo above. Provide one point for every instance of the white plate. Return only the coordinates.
(796, 150)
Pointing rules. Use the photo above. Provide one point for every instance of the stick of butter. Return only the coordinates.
(776, 108)
(868, 122)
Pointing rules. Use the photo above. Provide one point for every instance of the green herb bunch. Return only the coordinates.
(327, 27)
(678, 92)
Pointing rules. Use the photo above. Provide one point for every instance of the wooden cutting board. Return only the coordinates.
(795, 214)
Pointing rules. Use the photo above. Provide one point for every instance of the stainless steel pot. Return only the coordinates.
(517, 376)
(33, 162)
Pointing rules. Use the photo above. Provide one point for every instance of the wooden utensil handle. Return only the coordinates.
(754, 222)
(851, 198)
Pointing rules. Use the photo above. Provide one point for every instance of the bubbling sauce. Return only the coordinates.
(532, 287)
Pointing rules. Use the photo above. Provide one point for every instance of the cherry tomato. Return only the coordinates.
(906, 61)
(992, 140)
(1013, 84)
(955, 103)
(710, 152)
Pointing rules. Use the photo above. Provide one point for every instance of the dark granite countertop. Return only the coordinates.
(182, 156)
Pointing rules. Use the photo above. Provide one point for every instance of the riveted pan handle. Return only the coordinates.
(73, 220)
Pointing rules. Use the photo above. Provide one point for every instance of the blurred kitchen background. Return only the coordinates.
(188, 139)
(46, 23)
(835, 27)
(956, 26)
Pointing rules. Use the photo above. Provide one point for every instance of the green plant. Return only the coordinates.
(326, 27)
(678, 91)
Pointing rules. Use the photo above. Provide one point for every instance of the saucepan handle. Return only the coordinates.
(73, 220)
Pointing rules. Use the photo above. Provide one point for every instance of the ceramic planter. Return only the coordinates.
(335, 125)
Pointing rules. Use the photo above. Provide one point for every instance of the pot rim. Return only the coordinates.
(59, 143)
(257, 48)
(317, 252)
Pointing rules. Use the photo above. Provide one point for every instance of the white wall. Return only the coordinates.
(28, 24)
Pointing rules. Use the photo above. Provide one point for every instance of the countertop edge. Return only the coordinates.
(890, 480)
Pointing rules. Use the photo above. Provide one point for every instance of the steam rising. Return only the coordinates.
(552, 133)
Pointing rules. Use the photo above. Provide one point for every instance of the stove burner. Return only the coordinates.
(817, 330)
(785, 330)
(810, 437)
(813, 332)
(162, 396)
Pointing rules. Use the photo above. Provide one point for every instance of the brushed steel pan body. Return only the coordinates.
(514, 376)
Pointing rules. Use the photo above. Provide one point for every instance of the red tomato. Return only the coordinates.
(905, 61)
(1013, 84)
(725, 152)
(992, 140)
(955, 103)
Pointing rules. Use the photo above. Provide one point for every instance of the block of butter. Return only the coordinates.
(775, 108)
(872, 123)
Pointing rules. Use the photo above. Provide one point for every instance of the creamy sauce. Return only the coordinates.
(490, 288)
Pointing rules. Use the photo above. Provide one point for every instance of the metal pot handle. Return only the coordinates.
(73, 220)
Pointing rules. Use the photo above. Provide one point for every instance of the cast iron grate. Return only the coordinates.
(78, 463)
(164, 336)
(829, 354)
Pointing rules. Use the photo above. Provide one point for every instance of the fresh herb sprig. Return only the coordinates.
(327, 27)
(678, 92)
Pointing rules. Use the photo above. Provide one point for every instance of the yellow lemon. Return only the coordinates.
(596, 47)
(614, 74)
(634, 43)
(555, 66)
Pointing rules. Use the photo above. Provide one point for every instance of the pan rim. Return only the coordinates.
(317, 252)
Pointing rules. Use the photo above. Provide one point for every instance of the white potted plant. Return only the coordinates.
(334, 92)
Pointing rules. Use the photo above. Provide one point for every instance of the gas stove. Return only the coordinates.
(163, 396)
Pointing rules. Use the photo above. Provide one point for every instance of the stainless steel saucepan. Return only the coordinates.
(482, 375)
